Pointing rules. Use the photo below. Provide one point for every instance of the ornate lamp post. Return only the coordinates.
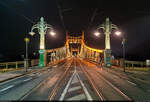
(107, 27)
(42, 27)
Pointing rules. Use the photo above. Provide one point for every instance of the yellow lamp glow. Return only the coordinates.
(118, 33)
(52, 33)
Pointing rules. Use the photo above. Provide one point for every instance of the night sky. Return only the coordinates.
(18, 16)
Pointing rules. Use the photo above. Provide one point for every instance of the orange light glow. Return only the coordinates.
(97, 50)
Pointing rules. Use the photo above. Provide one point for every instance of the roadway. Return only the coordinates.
(74, 79)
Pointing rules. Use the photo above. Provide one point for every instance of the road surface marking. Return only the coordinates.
(66, 88)
(55, 66)
(7, 88)
(33, 74)
(27, 79)
(148, 90)
(131, 83)
(75, 80)
(39, 74)
(74, 88)
(77, 97)
(85, 89)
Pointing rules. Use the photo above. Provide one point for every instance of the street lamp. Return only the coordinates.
(42, 27)
(27, 40)
(97, 33)
(52, 33)
(118, 33)
(31, 33)
(123, 47)
(107, 27)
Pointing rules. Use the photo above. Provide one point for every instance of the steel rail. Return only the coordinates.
(114, 87)
(92, 84)
(68, 84)
(36, 87)
(129, 76)
(58, 83)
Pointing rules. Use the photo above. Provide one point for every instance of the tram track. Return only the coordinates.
(75, 88)
(42, 82)
(57, 85)
(100, 76)
(133, 78)
(128, 78)
(99, 94)
(138, 82)
(64, 79)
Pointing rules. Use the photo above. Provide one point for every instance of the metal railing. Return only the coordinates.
(119, 62)
(18, 64)
(15, 64)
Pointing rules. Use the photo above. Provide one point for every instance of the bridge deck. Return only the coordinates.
(74, 79)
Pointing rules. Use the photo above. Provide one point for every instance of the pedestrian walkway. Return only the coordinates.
(12, 74)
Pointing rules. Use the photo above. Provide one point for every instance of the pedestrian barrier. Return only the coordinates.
(9, 66)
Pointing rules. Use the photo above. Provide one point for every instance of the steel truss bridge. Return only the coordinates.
(74, 46)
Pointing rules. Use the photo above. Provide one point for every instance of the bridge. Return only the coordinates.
(74, 71)
(74, 46)
(69, 49)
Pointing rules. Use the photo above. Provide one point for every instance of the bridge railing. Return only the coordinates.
(119, 62)
(54, 55)
(18, 64)
(11, 64)
(91, 53)
(135, 63)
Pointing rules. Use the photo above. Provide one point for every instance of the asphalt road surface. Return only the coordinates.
(75, 79)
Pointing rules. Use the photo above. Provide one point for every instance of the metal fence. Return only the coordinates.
(18, 64)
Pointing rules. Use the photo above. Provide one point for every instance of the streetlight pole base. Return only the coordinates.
(107, 58)
(41, 61)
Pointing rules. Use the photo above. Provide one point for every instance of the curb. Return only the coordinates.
(15, 76)
(23, 74)
(19, 75)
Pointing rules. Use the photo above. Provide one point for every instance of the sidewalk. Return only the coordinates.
(17, 73)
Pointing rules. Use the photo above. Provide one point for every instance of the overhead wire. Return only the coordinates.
(10, 8)
(60, 14)
(92, 18)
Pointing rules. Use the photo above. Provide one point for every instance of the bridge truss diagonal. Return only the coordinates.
(68, 50)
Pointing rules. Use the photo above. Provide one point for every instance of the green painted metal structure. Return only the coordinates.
(42, 27)
(107, 27)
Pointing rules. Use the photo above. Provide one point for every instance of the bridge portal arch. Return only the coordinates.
(74, 46)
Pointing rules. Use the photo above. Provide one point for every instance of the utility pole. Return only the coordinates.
(123, 48)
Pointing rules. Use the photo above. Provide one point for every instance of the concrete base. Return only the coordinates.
(107, 58)
(41, 61)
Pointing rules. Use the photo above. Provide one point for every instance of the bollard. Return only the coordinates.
(6, 65)
(16, 65)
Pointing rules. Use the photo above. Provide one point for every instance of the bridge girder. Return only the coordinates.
(84, 51)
